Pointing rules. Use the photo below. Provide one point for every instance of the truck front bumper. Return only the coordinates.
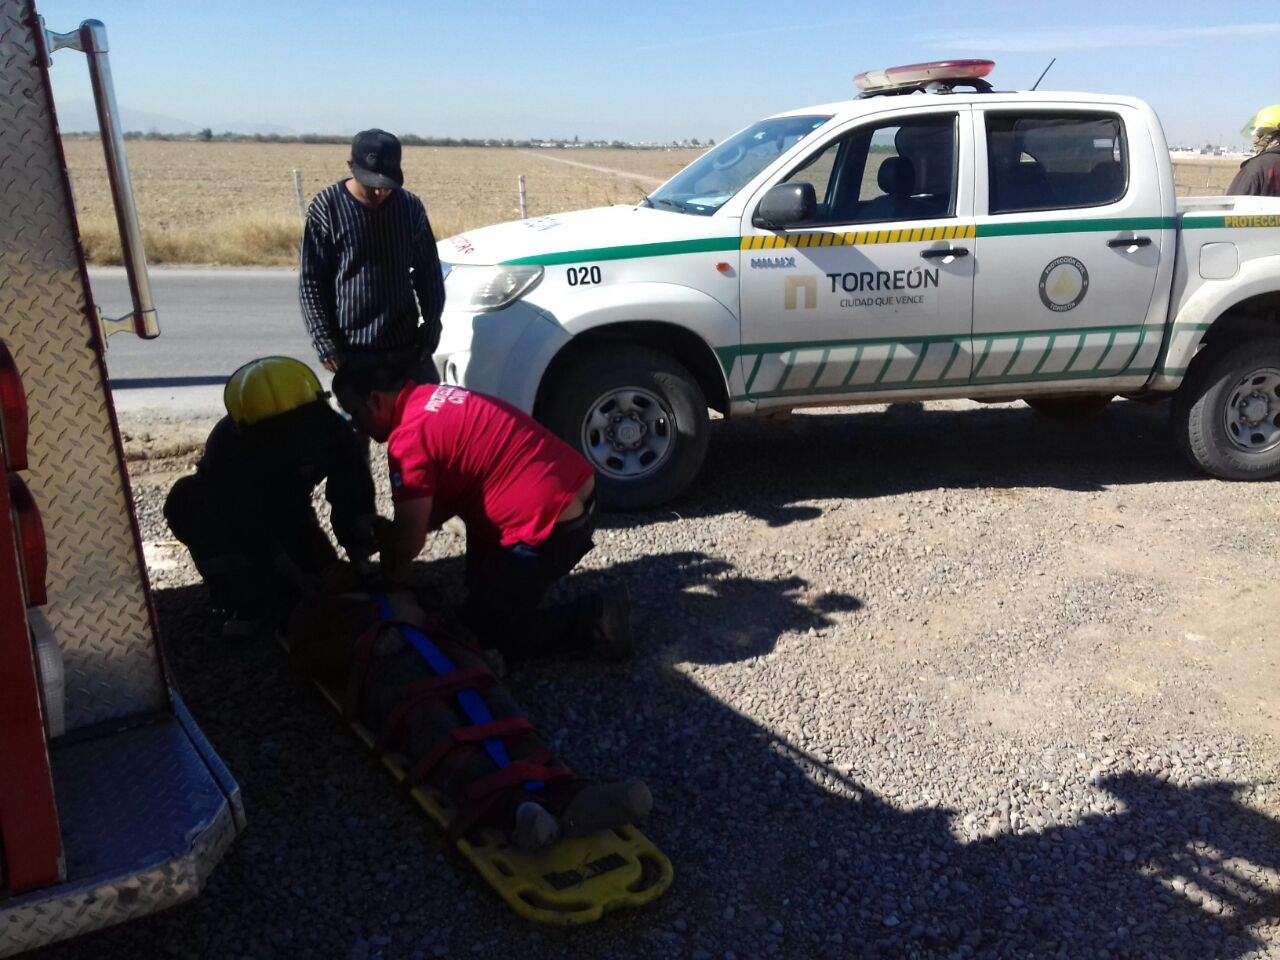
(503, 353)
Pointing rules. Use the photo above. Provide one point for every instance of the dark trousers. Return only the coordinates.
(414, 361)
(506, 587)
(234, 549)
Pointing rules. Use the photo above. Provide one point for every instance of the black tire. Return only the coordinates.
(1200, 410)
(588, 378)
(1069, 409)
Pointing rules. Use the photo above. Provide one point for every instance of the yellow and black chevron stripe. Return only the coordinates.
(859, 238)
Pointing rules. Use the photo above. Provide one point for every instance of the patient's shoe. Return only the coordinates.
(535, 827)
(602, 806)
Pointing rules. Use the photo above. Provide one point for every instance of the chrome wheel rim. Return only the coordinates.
(1252, 414)
(628, 433)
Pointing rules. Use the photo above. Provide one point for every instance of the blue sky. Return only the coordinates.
(649, 70)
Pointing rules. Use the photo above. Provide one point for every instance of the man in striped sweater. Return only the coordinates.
(368, 268)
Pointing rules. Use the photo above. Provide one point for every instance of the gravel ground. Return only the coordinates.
(943, 683)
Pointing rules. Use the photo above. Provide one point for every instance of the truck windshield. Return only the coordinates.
(707, 183)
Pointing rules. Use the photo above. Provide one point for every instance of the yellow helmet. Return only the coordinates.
(268, 387)
(1268, 118)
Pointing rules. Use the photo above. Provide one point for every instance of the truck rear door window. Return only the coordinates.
(1052, 161)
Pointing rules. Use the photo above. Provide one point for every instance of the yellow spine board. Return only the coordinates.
(572, 882)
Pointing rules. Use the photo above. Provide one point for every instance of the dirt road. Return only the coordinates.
(638, 177)
(941, 683)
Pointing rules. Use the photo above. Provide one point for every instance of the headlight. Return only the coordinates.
(480, 289)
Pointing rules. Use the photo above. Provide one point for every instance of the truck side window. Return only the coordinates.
(1051, 161)
(819, 170)
(895, 170)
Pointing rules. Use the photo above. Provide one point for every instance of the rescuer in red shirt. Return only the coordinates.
(527, 499)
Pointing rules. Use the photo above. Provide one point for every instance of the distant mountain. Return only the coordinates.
(79, 116)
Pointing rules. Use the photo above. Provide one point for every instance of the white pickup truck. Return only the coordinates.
(915, 243)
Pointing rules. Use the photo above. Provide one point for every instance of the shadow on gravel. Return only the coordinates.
(137, 383)
(688, 606)
(1180, 872)
(695, 608)
(777, 854)
(819, 456)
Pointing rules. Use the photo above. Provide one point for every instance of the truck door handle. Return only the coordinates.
(939, 254)
(1130, 242)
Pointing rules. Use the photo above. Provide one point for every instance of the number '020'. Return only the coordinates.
(580, 276)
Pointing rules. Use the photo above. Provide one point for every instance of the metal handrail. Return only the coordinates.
(91, 40)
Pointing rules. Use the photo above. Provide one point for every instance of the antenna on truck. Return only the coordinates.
(1043, 72)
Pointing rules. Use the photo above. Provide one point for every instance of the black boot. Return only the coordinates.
(603, 806)
(610, 629)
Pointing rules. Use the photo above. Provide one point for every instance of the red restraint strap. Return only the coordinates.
(429, 691)
(487, 795)
(536, 766)
(364, 648)
(359, 669)
(475, 733)
(491, 797)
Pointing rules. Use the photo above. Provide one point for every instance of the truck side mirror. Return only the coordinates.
(786, 205)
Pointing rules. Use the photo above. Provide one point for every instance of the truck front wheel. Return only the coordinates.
(1227, 411)
(639, 418)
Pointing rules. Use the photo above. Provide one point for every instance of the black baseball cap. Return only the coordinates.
(375, 160)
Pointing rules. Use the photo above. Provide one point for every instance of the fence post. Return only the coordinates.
(297, 189)
(523, 213)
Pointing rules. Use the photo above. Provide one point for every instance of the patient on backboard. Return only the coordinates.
(458, 732)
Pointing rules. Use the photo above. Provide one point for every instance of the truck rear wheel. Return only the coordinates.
(1069, 409)
(1227, 412)
(639, 418)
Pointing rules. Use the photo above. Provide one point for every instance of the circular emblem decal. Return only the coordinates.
(1063, 284)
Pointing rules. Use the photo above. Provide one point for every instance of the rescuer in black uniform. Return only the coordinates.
(246, 513)
(1259, 176)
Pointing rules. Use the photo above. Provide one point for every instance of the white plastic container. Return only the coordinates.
(53, 673)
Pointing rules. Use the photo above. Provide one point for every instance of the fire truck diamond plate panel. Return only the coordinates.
(97, 602)
(145, 822)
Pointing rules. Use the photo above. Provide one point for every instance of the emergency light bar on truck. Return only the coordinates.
(938, 76)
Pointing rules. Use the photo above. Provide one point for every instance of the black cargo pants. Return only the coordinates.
(235, 549)
(506, 587)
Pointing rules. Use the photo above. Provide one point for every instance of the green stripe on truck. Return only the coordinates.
(671, 248)
(1031, 227)
(632, 251)
(1074, 336)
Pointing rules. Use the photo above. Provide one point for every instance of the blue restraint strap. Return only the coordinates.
(473, 705)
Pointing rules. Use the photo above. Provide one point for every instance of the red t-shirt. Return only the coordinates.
(508, 477)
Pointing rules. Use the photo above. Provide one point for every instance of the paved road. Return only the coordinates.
(211, 320)
(647, 181)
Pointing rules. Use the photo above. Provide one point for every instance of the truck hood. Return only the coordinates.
(542, 239)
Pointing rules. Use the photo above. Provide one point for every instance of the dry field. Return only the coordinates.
(1204, 176)
(234, 203)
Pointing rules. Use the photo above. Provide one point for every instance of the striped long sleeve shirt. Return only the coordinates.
(360, 269)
